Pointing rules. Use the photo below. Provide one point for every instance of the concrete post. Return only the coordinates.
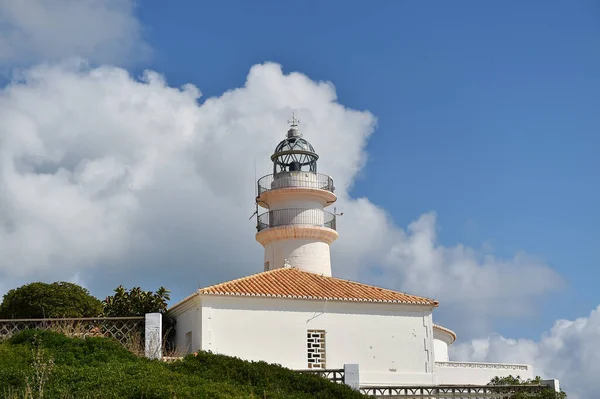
(153, 344)
(351, 376)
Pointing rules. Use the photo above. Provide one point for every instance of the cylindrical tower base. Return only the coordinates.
(309, 255)
(302, 246)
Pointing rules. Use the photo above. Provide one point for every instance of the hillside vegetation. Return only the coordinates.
(44, 364)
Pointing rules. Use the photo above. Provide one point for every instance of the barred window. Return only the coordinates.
(315, 346)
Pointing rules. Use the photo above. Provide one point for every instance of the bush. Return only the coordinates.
(101, 368)
(41, 300)
(510, 380)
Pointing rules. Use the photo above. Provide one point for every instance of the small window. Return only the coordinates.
(315, 346)
(188, 342)
(266, 265)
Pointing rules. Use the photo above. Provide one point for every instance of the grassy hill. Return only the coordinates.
(36, 364)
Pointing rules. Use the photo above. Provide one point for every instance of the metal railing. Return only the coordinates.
(453, 391)
(476, 365)
(295, 179)
(295, 216)
(434, 391)
(333, 375)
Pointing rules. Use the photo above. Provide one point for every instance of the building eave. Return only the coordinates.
(314, 298)
(446, 331)
(179, 307)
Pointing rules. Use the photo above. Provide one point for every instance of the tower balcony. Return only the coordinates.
(316, 184)
(296, 216)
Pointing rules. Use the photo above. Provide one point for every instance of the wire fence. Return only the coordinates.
(127, 330)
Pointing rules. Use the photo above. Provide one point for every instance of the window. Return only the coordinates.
(266, 265)
(315, 346)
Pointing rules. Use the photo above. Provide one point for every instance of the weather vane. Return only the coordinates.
(294, 122)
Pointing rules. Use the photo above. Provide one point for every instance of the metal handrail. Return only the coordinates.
(454, 391)
(333, 375)
(295, 179)
(295, 216)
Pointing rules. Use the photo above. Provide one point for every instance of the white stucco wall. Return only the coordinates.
(189, 319)
(296, 200)
(391, 343)
(440, 348)
(468, 373)
(441, 341)
(295, 179)
(310, 255)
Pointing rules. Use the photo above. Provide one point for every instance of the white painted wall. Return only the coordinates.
(391, 343)
(441, 341)
(440, 348)
(295, 179)
(189, 319)
(478, 373)
(296, 200)
(305, 254)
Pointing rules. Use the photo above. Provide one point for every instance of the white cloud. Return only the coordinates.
(467, 282)
(49, 30)
(569, 351)
(98, 168)
(118, 180)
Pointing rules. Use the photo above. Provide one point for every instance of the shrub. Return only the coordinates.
(101, 368)
(41, 300)
(510, 380)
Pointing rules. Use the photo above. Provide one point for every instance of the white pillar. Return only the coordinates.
(553, 384)
(351, 376)
(153, 344)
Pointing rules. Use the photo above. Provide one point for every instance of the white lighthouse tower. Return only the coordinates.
(296, 230)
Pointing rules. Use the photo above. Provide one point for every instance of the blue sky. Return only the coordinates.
(479, 122)
(487, 113)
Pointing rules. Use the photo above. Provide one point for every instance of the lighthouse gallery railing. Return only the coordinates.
(295, 179)
(295, 216)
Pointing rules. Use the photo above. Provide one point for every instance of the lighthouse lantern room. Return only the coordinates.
(296, 230)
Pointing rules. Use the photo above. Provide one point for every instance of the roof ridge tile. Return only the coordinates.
(313, 286)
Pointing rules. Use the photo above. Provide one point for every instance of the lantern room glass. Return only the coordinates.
(294, 154)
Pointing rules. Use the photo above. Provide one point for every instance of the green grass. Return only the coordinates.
(101, 368)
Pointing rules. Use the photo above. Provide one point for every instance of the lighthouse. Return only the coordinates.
(271, 315)
(296, 230)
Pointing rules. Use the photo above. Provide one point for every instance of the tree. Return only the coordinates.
(41, 300)
(135, 302)
(510, 380)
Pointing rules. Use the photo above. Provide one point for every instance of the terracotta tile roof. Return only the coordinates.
(446, 330)
(293, 283)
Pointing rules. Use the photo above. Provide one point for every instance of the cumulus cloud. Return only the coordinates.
(569, 351)
(100, 169)
(466, 281)
(49, 30)
(130, 181)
